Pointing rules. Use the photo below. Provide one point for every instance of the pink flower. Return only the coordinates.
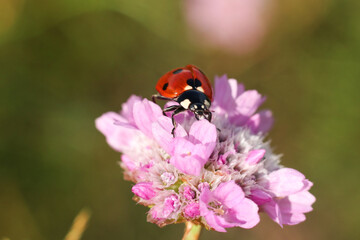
(190, 154)
(166, 207)
(190, 151)
(188, 193)
(171, 204)
(144, 190)
(227, 206)
(237, 26)
(192, 210)
(292, 198)
(239, 105)
(217, 173)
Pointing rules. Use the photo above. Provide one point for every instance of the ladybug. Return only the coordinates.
(189, 87)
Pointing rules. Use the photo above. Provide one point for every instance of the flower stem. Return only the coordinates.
(192, 231)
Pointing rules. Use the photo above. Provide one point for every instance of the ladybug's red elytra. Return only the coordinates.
(190, 88)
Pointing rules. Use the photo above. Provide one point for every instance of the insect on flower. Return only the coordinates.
(206, 177)
(189, 87)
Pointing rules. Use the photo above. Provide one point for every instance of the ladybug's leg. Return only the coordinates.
(177, 111)
(171, 108)
(156, 96)
(209, 116)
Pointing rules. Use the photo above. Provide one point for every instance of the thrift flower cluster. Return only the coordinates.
(219, 174)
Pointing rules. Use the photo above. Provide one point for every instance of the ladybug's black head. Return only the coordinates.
(201, 111)
(197, 102)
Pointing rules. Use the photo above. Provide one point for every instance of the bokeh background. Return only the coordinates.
(63, 63)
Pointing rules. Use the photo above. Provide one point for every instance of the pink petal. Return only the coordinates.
(181, 146)
(171, 204)
(188, 193)
(213, 221)
(292, 219)
(272, 209)
(118, 137)
(129, 164)
(224, 93)
(255, 156)
(145, 113)
(240, 211)
(188, 165)
(261, 122)
(206, 194)
(229, 193)
(188, 157)
(286, 181)
(144, 190)
(202, 132)
(297, 203)
(248, 102)
(192, 210)
(210, 217)
(161, 130)
(307, 185)
(247, 212)
(236, 88)
(127, 108)
(260, 197)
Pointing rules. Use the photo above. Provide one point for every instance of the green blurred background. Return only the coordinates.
(63, 63)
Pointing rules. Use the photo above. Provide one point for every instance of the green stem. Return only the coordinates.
(192, 231)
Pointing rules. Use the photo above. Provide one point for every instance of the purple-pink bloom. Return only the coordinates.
(188, 193)
(240, 106)
(217, 173)
(166, 207)
(144, 190)
(190, 154)
(192, 210)
(227, 207)
(260, 122)
(171, 204)
(292, 198)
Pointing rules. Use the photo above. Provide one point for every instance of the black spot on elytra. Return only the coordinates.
(177, 71)
(194, 83)
(165, 86)
(197, 83)
(190, 82)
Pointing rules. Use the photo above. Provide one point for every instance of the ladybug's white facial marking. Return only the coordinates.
(185, 103)
(200, 89)
(188, 87)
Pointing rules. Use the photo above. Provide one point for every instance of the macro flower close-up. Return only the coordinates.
(192, 119)
(218, 174)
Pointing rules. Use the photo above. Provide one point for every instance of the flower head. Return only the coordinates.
(237, 26)
(219, 173)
